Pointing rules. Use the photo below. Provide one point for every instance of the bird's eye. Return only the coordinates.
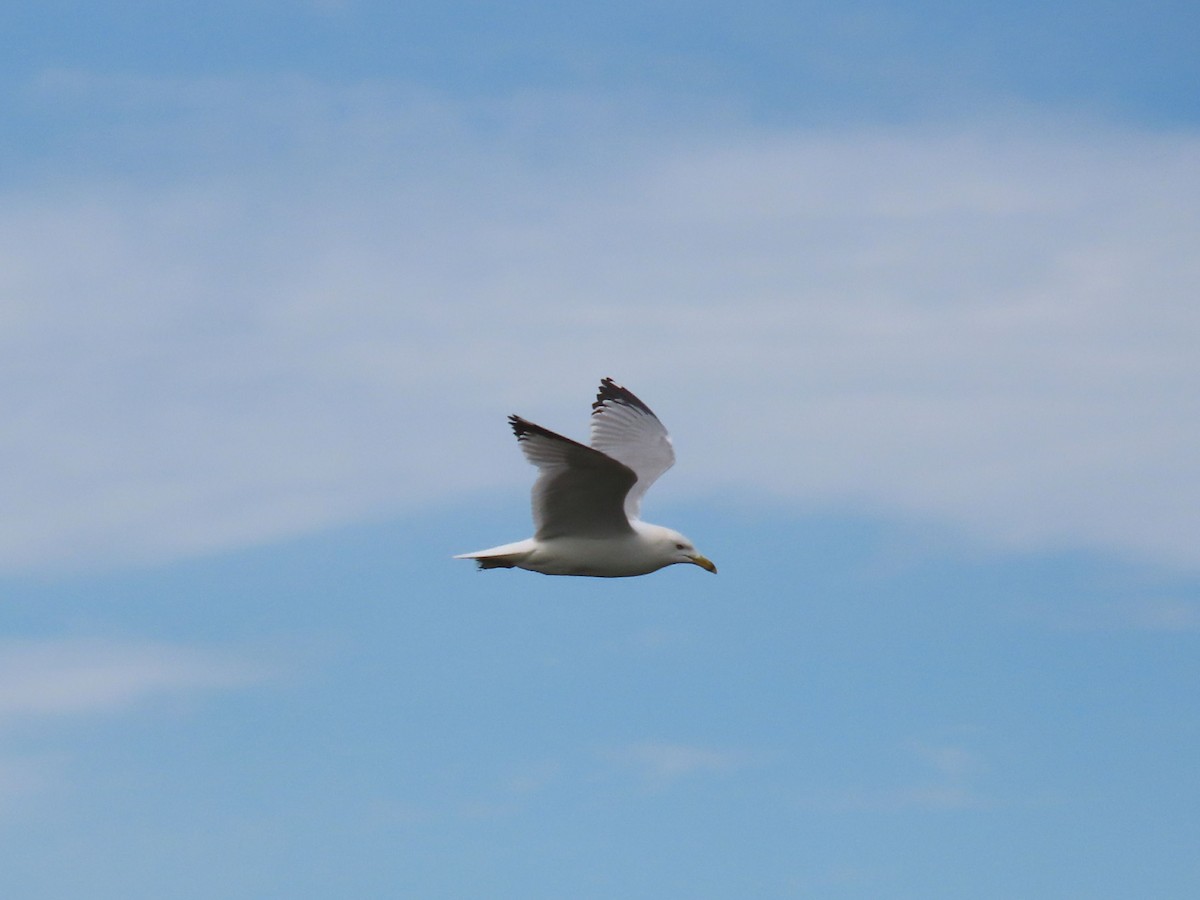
(679, 546)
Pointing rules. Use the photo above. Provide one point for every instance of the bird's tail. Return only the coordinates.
(490, 562)
(506, 556)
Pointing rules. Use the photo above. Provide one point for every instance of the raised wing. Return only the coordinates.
(624, 428)
(579, 491)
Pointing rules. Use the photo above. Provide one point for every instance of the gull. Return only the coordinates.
(587, 500)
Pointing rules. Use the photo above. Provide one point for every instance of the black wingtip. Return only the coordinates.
(523, 427)
(611, 392)
(520, 427)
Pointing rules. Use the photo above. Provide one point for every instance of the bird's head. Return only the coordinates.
(681, 550)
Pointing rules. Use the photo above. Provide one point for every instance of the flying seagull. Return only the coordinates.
(586, 500)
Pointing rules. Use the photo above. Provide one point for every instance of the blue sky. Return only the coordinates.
(913, 285)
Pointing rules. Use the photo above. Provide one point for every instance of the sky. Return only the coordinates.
(913, 285)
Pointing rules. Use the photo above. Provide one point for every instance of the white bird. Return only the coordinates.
(586, 500)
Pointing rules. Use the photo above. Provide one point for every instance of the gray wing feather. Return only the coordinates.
(625, 428)
(580, 491)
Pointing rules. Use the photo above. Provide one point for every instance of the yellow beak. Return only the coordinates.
(704, 562)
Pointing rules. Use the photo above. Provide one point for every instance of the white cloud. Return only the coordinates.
(21, 776)
(318, 304)
(662, 763)
(44, 681)
(944, 778)
(1167, 615)
(71, 677)
(1144, 613)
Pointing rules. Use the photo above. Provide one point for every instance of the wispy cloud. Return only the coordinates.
(79, 680)
(1141, 613)
(22, 776)
(990, 324)
(661, 763)
(945, 778)
(1167, 615)
(76, 677)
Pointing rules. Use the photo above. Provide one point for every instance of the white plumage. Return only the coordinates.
(587, 499)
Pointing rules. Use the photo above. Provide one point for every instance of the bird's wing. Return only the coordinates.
(580, 491)
(624, 428)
